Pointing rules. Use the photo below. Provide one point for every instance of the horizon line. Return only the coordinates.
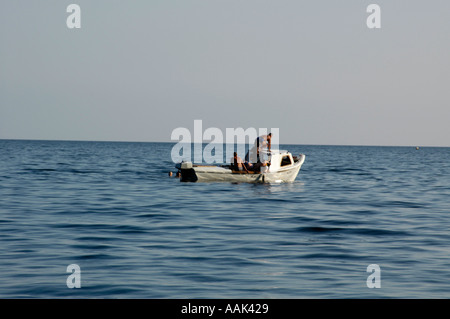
(175, 142)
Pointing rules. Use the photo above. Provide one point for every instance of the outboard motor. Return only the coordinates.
(187, 172)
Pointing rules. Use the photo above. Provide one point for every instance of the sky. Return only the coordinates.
(137, 70)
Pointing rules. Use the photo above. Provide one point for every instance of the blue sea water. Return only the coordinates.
(135, 232)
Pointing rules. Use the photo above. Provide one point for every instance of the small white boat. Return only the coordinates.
(281, 167)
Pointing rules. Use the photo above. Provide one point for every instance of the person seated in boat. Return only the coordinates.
(238, 163)
(248, 165)
(257, 166)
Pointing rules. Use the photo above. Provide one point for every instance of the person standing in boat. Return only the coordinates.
(262, 142)
(238, 163)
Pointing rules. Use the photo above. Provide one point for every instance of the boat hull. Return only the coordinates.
(204, 173)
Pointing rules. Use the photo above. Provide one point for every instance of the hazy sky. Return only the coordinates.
(136, 70)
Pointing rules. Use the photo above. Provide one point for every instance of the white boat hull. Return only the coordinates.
(205, 173)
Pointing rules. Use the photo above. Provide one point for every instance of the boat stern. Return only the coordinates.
(187, 172)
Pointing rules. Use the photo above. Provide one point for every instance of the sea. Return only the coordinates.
(358, 222)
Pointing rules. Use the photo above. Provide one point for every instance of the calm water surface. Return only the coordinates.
(136, 233)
